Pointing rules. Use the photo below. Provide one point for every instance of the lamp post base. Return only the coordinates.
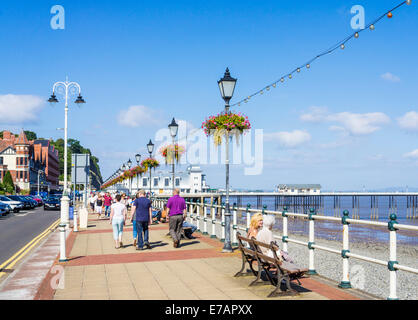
(345, 285)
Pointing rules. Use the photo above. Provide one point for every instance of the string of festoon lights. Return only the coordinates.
(340, 45)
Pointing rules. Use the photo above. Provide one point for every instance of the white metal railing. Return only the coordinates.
(392, 264)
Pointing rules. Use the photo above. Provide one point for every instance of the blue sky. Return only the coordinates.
(348, 122)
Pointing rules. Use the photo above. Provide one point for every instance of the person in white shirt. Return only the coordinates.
(117, 220)
(93, 200)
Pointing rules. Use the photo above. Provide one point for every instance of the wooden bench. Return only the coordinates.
(275, 269)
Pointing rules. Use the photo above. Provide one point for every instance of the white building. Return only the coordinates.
(190, 181)
(299, 189)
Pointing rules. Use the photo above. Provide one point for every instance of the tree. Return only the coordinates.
(2, 189)
(8, 182)
(31, 135)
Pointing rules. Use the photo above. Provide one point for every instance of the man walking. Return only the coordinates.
(143, 218)
(176, 207)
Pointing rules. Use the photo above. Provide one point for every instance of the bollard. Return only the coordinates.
(345, 283)
(311, 242)
(248, 217)
(63, 257)
(392, 257)
(75, 224)
(212, 209)
(285, 236)
(223, 222)
(234, 226)
(205, 220)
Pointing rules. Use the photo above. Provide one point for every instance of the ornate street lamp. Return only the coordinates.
(150, 147)
(227, 88)
(138, 159)
(67, 89)
(173, 127)
(129, 164)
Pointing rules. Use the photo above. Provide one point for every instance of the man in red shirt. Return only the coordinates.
(107, 204)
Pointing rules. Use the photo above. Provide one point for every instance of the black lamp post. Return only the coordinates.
(129, 164)
(138, 159)
(150, 147)
(227, 88)
(174, 127)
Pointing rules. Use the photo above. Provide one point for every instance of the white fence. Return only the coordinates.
(392, 226)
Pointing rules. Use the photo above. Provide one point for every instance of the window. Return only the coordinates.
(177, 182)
(1, 161)
(144, 182)
(166, 182)
(155, 182)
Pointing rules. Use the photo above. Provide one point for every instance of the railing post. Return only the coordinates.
(311, 242)
(205, 220)
(191, 211)
(345, 283)
(198, 215)
(247, 212)
(264, 210)
(212, 210)
(234, 226)
(285, 235)
(223, 222)
(392, 257)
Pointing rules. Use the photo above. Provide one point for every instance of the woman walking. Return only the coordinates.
(117, 220)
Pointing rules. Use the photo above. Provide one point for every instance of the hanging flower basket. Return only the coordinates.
(150, 163)
(171, 152)
(223, 123)
(138, 170)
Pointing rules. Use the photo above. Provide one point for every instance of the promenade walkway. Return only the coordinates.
(196, 270)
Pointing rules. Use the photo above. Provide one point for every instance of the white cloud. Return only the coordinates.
(17, 109)
(136, 116)
(390, 77)
(409, 121)
(412, 154)
(316, 114)
(351, 123)
(289, 139)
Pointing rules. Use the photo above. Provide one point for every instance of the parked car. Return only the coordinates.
(52, 203)
(15, 205)
(26, 203)
(39, 200)
(4, 208)
(33, 202)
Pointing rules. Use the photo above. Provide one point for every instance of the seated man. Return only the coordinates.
(189, 229)
(156, 216)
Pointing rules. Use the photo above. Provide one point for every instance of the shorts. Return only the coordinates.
(99, 210)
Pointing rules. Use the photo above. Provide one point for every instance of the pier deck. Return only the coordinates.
(196, 271)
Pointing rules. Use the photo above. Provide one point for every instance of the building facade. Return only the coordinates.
(190, 181)
(299, 189)
(29, 161)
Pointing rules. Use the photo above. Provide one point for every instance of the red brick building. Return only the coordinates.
(24, 159)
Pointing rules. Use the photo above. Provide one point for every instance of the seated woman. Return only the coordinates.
(256, 224)
(164, 214)
(266, 235)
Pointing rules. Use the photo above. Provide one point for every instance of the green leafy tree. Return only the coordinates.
(8, 182)
(2, 189)
(31, 135)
